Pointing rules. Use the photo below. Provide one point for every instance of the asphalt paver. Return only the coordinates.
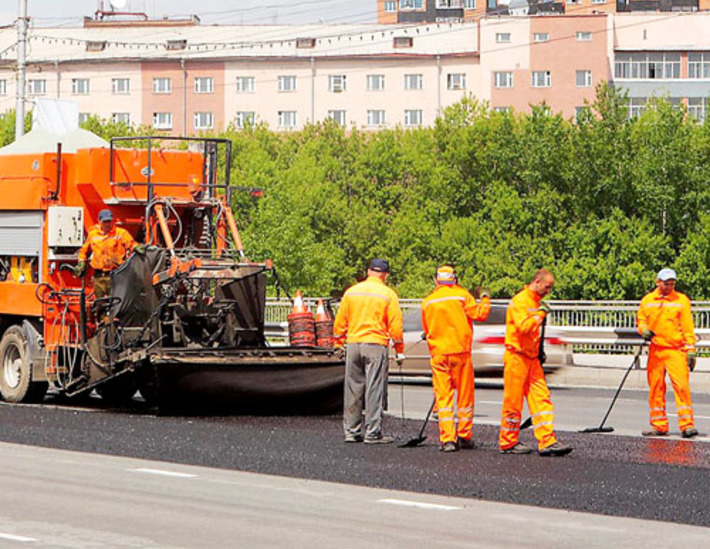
(657, 479)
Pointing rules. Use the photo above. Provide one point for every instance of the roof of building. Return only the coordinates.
(49, 45)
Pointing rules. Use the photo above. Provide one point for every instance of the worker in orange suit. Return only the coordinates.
(522, 372)
(664, 319)
(447, 319)
(369, 317)
(108, 247)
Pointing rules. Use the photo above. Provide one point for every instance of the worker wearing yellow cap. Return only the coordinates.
(447, 319)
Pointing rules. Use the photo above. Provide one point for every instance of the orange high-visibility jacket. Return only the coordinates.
(447, 316)
(522, 323)
(369, 313)
(669, 318)
(108, 250)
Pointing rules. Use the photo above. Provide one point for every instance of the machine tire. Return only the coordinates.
(119, 391)
(16, 383)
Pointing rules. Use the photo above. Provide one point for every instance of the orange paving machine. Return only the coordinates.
(184, 322)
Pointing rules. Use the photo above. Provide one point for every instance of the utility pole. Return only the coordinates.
(21, 62)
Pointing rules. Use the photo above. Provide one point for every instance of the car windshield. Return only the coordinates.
(413, 318)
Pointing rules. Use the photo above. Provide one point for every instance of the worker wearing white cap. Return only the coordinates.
(665, 320)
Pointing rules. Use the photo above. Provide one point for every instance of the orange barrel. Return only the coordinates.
(301, 330)
(324, 333)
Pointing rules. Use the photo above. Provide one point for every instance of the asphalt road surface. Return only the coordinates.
(54, 498)
(663, 480)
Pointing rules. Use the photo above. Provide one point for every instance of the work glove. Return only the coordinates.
(399, 359)
(139, 249)
(80, 268)
(692, 359)
(545, 307)
(647, 334)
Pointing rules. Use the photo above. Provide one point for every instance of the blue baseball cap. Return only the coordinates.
(380, 265)
(666, 274)
(105, 215)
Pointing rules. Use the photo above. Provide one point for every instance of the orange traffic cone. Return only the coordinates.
(321, 315)
(324, 327)
(298, 305)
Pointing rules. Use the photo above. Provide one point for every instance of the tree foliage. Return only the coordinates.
(604, 202)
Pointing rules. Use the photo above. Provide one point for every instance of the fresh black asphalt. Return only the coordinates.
(658, 479)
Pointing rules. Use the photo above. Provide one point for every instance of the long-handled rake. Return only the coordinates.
(411, 443)
(602, 428)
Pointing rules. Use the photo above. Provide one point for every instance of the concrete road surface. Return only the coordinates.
(53, 498)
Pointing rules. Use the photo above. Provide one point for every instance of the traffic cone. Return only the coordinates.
(298, 305)
(321, 315)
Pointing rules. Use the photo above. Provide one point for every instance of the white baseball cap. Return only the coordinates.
(666, 274)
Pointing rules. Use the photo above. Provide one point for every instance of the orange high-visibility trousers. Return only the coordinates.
(523, 378)
(675, 363)
(453, 373)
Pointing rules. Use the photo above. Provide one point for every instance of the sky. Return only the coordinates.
(69, 13)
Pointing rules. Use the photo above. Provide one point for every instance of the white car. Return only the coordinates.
(488, 345)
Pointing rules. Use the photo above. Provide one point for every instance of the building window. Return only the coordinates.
(445, 4)
(456, 81)
(413, 81)
(3, 87)
(337, 83)
(287, 83)
(469, 4)
(541, 79)
(244, 118)
(163, 120)
(120, 86)
(577, 112)
(696, 108)
(502, 110)
(391, 6)
(375, 82)
(37, 87)
(584, 79)
(411, 4)
(413, 118)
(541, 37)
(162, 85)
(338, 116)
(402, 42)
(584, 36)
(287, 119)
(598, 1)
(203, 121)
(636, 106)
(699, 65)
(204, 84)
(80, 86)
(245, 84)
(644, 65)
(121, 118)
(375, 118)
(503, 79)
(502, 37)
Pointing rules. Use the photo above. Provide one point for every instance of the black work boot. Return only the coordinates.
(556, 449)
(690, 432)
(654, 433)
(519, 448)
(466, 443)
(449, 447)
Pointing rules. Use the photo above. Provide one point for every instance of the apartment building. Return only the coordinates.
(187, 79)
(432, 11)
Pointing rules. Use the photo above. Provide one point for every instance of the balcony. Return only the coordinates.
(657, 5)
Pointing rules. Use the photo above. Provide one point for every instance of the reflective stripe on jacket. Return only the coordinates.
(522, 323)
(668, 317)
(447, 315)
(369, 313)
(108, 250)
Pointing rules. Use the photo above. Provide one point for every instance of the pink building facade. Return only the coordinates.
(189, 79)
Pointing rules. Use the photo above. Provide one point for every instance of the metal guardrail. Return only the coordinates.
(590, 326)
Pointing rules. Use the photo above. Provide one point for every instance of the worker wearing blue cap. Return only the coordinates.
(108, 246)
(665, 320)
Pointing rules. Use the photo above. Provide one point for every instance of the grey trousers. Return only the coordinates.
(365, 388)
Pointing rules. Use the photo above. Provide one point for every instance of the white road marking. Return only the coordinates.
(694, 416)
(162, 472)
(22, 539)
(419, 504)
